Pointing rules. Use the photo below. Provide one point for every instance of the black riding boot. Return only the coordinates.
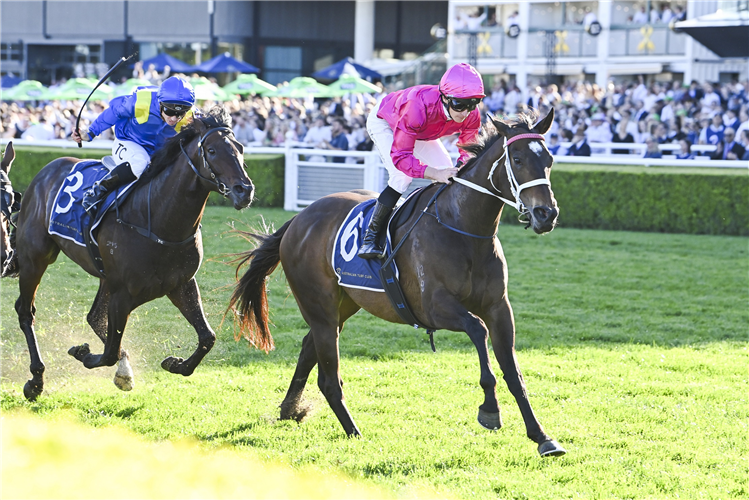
(370, 247)
(121, 174)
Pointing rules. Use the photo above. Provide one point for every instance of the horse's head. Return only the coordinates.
(527, 165)
(219, 159)
(9, 203)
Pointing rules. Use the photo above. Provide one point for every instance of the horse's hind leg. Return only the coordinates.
(502, 329)
(292, 407)
(34, 258)
(187, 300)
(97, 319)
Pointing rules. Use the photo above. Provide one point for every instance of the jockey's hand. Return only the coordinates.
(82, 137)
(440, 174)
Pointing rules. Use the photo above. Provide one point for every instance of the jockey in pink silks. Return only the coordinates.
(406, 126)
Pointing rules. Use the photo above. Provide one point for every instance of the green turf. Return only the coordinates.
(633, 347)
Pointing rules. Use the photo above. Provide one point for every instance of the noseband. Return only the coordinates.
(222, 188)
(515, 187)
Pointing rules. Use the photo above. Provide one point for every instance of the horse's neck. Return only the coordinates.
(175, 200)
(473, 211)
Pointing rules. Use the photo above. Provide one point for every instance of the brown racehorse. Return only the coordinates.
(9, 203)
(139, 265)
(452, 280)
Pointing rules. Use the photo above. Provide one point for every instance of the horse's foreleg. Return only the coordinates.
(451, 315)
(118, 311)
(292, 407)
(97, 319)
(187, 299)
(503, 341)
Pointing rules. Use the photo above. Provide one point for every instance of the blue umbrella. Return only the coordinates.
(346, 66)
(163, 59)
(225, 63)
(10, 81)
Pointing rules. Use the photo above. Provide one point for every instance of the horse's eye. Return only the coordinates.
(211, 151)
(517, 161)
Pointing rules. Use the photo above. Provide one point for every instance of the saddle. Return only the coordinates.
(69, 220)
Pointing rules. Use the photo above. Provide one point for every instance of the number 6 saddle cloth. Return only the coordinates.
(68, 219)
(352, 270)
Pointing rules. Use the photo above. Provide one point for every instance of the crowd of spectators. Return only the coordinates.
(709, 114)
(645, 115)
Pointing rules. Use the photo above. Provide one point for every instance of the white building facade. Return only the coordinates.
(532, 42)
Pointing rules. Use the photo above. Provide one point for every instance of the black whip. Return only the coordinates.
(103, 79)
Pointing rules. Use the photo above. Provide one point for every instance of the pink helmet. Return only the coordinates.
(461, 82)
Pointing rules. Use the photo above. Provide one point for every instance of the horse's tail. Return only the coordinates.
(249, 301)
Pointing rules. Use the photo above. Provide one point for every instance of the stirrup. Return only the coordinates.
(92, 197)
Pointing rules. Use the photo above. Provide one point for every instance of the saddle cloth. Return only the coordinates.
(352, 270)
(69, 219)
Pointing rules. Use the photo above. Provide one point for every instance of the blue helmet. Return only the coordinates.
(176, 93)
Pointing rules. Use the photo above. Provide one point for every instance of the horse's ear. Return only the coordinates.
(198, 125)
(8, 158)
(544, 125)
(502, 128)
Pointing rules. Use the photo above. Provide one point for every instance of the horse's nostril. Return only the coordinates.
(243, 190)
(544, 213)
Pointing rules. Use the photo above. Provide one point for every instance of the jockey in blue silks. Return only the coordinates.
(142, 122)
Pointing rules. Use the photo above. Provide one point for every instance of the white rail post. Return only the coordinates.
(291, 179)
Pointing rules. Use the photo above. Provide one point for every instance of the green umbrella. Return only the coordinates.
(206, 90)
(350, 84)
(301, 87)
(248, 84)
(27, 90)
(80, 88)
(128, 86)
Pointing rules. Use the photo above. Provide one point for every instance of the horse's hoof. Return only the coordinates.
(551, 448)
(31, 390)
(79, 351)
(491, 421)
(124, 379)
(174, 365)
(123, 382)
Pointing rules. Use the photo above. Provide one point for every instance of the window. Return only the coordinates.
(11, 51)
(281, 64)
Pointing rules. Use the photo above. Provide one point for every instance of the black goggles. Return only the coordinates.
(174, 111)
(464, 104)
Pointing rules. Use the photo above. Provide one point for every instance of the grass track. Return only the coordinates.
(633, 347)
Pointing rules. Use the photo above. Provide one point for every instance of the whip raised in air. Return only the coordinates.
(103, 79)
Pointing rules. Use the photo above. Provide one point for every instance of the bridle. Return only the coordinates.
(222, 188)
(515, 187)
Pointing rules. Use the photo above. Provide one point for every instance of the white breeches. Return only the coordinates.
(431, 153)
(135, 154)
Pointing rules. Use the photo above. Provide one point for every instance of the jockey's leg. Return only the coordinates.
(123, 152)
(120, 175)
(370, 245)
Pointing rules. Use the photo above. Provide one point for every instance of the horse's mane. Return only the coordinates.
(489, 135)
(170, 151)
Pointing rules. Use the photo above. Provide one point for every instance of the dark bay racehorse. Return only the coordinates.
(451, 280)
(169, 199)
(9, 204)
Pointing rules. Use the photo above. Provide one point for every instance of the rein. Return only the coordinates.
(222, 188)
(515, 187)
(7, 195)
